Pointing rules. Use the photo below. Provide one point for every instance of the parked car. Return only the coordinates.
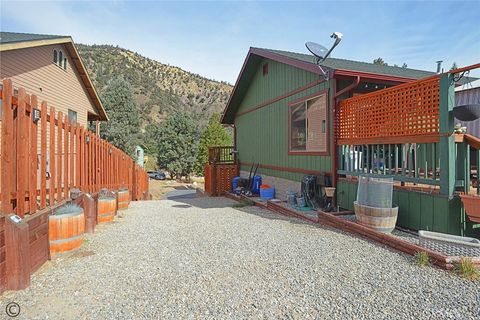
(156, 175)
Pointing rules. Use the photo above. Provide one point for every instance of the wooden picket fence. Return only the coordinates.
(43, 156)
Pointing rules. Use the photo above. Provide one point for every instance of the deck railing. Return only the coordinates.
(44, 155)
(405, 162)
(222, 155)
(406, 132)
(222, 166)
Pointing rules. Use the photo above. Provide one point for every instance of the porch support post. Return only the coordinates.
(447, 142)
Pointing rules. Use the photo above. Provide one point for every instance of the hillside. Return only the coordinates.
(159, 89)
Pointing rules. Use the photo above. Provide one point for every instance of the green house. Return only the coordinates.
(284, 114)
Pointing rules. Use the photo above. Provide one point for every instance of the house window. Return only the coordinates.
(55, 58)
(308, 125)
(265, 69)
(72, 116)
(64, 63)
(60, 58)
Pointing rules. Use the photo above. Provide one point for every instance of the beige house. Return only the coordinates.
(50, 67)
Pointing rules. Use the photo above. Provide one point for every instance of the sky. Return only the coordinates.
(213, 38)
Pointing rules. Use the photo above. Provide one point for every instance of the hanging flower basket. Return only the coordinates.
(468, 112)
(471, 204)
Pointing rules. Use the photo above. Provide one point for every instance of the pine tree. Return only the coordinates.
(123, 127)
(214, 135)
(177, 145)
(380, 62)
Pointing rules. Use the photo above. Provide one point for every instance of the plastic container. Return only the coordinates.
(291, 198)
(301, 202)
(449, 245)
(267, 193)
(235, 181)
(257, 182)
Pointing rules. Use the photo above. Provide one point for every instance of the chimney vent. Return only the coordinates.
(439, 65)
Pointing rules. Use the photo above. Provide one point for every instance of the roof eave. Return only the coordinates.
(87, 81)
(370, 75)
(33, 43)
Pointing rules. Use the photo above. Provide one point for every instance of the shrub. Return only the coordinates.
(243, 203)
(422, 259)
(467, 269)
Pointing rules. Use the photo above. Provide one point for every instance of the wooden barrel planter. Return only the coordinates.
(379, 219)
(123, 199)
(107, 208)
(65, 229)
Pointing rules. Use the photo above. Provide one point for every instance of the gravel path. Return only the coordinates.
(200, 258)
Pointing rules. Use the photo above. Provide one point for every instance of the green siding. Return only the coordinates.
(419, 211)
(262, 135)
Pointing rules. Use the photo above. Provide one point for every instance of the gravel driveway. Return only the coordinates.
(200, 258)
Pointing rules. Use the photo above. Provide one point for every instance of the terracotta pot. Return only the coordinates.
(471, 204)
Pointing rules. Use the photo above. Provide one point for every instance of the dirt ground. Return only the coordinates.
(158, 188)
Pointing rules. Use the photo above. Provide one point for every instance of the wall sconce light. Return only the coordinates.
(110, 151)
(87, 139)
(35, 115)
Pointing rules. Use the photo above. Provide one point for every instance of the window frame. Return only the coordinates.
(55, 56)
(305, 99)
(76, 116)
(265, 69)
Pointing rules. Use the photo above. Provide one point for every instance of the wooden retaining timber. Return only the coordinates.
(89, 205)
(440, 260)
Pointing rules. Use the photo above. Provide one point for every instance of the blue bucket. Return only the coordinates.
(267, 194)
(235, 181)
(257, 181)
(301, 202)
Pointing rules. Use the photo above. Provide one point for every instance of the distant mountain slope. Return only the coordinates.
(159, 89)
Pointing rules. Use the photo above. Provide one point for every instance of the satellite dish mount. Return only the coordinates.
(321, 53)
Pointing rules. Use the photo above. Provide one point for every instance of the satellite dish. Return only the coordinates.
(316, 49)
(322, 53)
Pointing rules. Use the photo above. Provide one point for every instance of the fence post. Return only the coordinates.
(43, 155)
(17, 258)
(447, 142)
(22, 151)
(59, 156)
(7, 152)
(33, 162)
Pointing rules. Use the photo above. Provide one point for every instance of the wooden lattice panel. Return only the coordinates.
(224, 177)
(407, 110)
